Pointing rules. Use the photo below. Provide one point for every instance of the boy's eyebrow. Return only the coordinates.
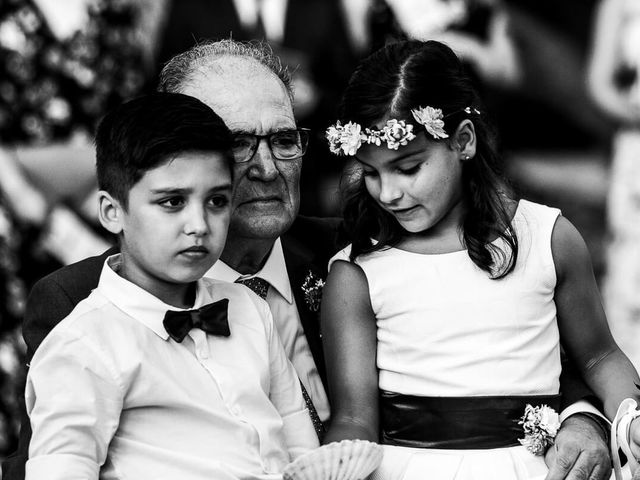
(178, 190)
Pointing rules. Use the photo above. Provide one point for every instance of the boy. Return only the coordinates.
(147, 377)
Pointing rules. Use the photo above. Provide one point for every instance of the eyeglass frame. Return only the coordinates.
(304, 133)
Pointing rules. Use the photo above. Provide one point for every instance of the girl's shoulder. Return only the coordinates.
(528, 211)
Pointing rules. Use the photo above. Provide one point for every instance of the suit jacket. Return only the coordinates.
(307, 247)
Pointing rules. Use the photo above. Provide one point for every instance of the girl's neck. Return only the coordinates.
(443, 237)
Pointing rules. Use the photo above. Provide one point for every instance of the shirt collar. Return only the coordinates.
(273, 271)
(137, 302)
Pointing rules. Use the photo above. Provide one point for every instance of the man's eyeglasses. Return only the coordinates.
(284, 145)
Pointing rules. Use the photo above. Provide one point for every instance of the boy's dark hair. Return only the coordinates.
(388, 84)
(142, 133)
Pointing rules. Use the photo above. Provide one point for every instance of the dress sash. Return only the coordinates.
(455, 422)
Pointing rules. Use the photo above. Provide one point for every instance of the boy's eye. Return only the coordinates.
(369, 173)
(219, 201)
(172, 202)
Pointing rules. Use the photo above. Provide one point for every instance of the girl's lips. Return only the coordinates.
(404, 212)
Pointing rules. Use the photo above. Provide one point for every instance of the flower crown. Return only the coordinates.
(347, 139)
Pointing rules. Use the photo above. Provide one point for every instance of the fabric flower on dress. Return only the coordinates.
(540, 425)
(432, 120)
(312, 288)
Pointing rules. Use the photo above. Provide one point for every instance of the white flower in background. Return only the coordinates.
(57, 110)
(12, 37)
(423, 19)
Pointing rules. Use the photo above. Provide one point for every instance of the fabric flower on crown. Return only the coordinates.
(432, 120)
(345, 139)
(540, 425)
(312, 288)
(397, 133)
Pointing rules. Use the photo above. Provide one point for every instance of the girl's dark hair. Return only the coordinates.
(388, 84)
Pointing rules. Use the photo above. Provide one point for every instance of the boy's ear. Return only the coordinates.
(110, 212)
(464, 140)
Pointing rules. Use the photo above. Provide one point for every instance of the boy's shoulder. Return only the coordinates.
(94, 322)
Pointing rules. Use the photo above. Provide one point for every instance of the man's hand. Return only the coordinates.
(580, 451)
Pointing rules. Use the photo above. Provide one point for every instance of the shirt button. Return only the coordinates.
(236, 411)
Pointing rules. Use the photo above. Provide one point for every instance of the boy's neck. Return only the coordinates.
(179, 295)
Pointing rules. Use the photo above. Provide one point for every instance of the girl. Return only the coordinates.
(443, 317)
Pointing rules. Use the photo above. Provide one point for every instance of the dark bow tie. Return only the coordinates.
(211, 318)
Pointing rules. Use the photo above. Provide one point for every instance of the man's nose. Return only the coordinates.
(263, 164)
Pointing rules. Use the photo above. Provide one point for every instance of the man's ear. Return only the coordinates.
(110, 212)
(464, 140)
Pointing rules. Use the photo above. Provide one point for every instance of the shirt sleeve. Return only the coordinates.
(286, 395)
(74, 401)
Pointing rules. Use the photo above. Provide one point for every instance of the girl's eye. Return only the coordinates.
(219, 201)
(172, 202)
(410, 170)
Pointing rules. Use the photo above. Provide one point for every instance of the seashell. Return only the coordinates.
(345, 460)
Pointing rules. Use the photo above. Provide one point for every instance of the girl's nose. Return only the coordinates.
(390, 191)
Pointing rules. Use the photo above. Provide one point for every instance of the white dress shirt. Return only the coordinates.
(110, 395)
(287, 319)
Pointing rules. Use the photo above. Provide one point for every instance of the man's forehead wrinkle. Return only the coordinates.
(230, 67)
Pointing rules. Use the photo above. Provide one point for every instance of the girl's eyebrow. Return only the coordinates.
(397, 159)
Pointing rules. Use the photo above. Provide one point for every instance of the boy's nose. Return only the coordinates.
(196, 222)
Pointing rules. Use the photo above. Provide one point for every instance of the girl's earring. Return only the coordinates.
(466, 157)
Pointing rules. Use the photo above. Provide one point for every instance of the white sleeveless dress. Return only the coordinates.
(445, 329)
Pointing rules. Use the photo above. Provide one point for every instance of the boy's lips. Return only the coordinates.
(195, 251)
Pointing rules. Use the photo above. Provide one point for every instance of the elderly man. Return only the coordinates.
(281, 257)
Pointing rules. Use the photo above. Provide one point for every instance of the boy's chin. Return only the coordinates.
(192, 275)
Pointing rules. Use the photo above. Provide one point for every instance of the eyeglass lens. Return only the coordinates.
(285, 145)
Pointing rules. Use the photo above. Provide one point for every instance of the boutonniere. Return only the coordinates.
(312, 288)
(540, 425)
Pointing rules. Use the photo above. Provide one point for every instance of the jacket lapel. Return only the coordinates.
(300, 262)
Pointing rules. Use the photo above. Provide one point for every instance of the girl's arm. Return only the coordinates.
(349, 338)
(583, 325)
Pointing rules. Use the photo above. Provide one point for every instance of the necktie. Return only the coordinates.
(211, 318)
(260, 287)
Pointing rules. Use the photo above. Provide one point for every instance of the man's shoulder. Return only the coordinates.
(314, 236)
(77, 279)
(53, 297)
